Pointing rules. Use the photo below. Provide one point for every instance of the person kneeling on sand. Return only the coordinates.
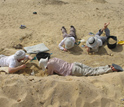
(93, 43)
(68, 39)
(64, 68)
(14, 61)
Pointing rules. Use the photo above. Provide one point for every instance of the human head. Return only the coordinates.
(69, 43)
(91, 42)
(43, 63)
(20, 54)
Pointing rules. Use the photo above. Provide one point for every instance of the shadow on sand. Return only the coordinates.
(76, 50)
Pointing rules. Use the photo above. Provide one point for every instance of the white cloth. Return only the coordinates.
(62, 42)
(36, 48)
(10, 61)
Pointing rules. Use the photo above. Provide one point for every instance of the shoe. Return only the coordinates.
(117, 68)
(72, 26)
(63, 28)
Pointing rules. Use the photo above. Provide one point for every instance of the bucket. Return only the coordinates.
(112, 42)
(43, 55)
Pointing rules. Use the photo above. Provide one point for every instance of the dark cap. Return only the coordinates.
(117, 67)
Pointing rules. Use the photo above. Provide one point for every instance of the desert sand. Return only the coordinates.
(39, 90)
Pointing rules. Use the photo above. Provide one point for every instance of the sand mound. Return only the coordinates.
(56, 91)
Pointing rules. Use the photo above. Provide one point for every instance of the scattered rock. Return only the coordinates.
(26, 36)
(37, 90)
(97, 8)
(31, 79)
(18, 100)
(18, 46)
(34, 12)
(110, 54)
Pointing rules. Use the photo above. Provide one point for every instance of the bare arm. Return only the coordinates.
(88, 49)
(12, 70)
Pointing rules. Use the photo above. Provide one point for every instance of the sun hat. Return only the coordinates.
(117, 67)
(43, 63)
(69, 43)
(20, 54)
(92, 42)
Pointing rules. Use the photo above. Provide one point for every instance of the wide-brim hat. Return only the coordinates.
(20, 54)
(117, 67)
(69, 43)
(43, 63)
(92, 42)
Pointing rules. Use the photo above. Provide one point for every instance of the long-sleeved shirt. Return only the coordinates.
(62, 42)
(59, 66)
(10, 61)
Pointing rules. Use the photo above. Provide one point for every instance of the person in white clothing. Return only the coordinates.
(68, 39)
(93, 43)
(14, 61)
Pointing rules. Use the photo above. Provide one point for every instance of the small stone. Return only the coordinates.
(18, 100)
(97, 8)
(34, 12)
(31, 79)
(37, 90)
(76, 88)
(18, 46)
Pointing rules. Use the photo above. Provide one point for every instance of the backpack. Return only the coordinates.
(43, 55)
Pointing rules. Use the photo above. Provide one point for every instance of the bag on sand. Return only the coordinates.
(43, 55)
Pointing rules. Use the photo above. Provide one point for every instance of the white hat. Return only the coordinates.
(69, 43)
(43, 63)
(92, 42)
(19, 54)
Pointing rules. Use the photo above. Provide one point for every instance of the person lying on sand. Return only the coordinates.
(64, 68)
(93, 43)
(68, 39)
(14, 61)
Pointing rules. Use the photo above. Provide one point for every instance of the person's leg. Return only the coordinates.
(77, 69)
(84, 70)
(64, 32)
(99, 32)
(107, 32)
(104, 28)
(72, 32)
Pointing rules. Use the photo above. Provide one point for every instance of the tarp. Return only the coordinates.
(36, 48)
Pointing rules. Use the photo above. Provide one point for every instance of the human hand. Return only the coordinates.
(65, 49)
(85, 46)
(30, 58)
(23, 66)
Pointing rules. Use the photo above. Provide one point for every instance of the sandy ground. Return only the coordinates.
(24, 90)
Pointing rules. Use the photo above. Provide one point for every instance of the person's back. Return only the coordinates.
(13, 62)
(59, 66)
(9, 61)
